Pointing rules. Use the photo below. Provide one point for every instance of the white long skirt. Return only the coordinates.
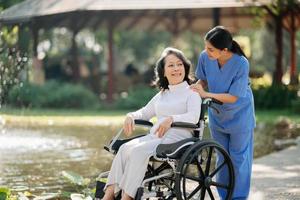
(130, 164)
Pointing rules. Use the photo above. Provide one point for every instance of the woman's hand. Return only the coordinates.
(128, 125)
(197, 87)
(164, 127)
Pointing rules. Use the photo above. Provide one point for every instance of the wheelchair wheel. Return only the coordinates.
(198, 169)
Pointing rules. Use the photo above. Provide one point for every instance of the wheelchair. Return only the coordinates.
(183, 170)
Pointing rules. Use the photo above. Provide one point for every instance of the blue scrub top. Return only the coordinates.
(232, 78)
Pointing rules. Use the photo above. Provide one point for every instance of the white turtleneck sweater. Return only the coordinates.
(179, 102)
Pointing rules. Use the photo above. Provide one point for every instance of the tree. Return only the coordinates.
(12, 63)
(284, 14)
(7, 3)
(12, 58)
(291, 23)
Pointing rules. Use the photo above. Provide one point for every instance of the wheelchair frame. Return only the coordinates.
(184, 166)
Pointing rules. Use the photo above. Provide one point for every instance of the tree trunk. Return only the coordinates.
(74, 58)
(293, 69)
(278, 73)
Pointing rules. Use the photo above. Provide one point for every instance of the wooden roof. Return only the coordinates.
(29, 10)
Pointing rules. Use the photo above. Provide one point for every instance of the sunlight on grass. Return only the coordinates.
(45, 117)
(62, 120)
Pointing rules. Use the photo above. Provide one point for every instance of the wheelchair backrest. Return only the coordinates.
(207, 102)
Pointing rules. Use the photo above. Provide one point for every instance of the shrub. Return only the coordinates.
(52, 94)
(296, 105)
(27, 95)
(69, 96)
(275, 96)
(4, 193)
(138, 96)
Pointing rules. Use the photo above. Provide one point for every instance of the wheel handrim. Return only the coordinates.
(205, 179)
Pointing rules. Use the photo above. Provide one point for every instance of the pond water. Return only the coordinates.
(32, 159)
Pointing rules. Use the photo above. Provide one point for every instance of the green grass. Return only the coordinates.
(61, 112)
(261, 115)
(271, 116)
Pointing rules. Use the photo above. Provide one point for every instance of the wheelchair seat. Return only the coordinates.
(174, 150)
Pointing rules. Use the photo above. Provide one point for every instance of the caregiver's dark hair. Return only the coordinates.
(221, 38)
(160, 80)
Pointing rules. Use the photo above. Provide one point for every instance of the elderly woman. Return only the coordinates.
(175, 102)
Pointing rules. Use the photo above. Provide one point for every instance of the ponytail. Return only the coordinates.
(221, 38)
(236, 48)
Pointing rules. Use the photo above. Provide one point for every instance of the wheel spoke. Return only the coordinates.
(208, 161)
(210, 193)
(183, 187)
(184, 179)
(195, 191)
(219, 185)
(200, 169)
(194, 178)
(203, 193)
(217, 169)
(162, 167)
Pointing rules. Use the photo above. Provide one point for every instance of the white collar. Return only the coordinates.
(178, 86)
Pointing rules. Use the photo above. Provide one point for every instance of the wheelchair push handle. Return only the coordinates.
(216, 101)
(209, 102)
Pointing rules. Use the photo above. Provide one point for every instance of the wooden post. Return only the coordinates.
(216, 16)
(110, 62)
(35, 36)
(74, 57)
(38, 73)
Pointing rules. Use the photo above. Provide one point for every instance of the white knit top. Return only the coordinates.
(179, 101)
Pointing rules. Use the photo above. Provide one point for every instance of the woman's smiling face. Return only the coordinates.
(174, 69)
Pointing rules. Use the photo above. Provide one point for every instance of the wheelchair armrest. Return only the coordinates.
(183, 125)
(143, 122)
(116, 142)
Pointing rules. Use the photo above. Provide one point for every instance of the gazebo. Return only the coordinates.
(147, 15)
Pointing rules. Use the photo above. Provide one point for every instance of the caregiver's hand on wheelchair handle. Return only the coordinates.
(164, 127)
(128, 125)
